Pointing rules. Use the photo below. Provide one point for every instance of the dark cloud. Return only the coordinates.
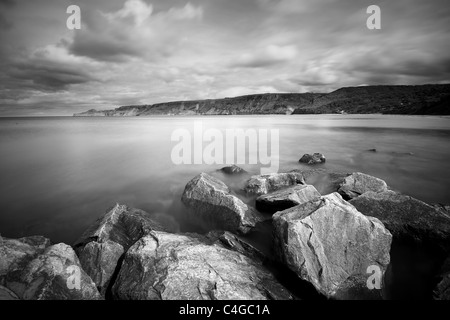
(148, 51)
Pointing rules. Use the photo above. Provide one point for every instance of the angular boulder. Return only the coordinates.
(163, 266)
(209, 201)
(103, 244)
(263, 184)
(56, 274)
(315, 158)
(331, 245)
(359, 183)
(407, 218)
(286, 198)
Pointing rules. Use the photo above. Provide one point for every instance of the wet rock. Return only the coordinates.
(286, 198)
(56, 274)
(211, 202)
(263, 184)
(442, 290)
(315, 158)
(331, 245)
(102, 244)
(163, 266)
(15, 254)
(407, 218)
(233, 170)
(359, 183)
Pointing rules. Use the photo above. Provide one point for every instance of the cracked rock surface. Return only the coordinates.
(163, 266)
(103, 244)
(330, 244)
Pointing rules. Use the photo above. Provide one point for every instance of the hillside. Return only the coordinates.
(425, 99)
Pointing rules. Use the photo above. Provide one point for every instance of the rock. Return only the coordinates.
(331, 245)
(17, 253)
(163, 266)
(286, 198)
(210, 201)
(56, 274)
(102, 244)
(313, 159)
(6, 294)
(442, 290)
(359, 183)
(324, 181)
(234, 243)
(263, 184)
(233, 170)
(407, 218)
(372, 150)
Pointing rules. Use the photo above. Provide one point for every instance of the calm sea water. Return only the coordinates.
(59, 174)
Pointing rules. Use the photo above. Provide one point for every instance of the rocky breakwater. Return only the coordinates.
(338, 243)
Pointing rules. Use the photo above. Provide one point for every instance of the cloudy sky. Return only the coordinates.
(149, 51)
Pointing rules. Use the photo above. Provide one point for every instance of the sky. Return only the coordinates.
(130, 52)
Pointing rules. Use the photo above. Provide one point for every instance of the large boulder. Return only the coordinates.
(407, 218)
(330, 244)
(102, 245)
(286, 198)
(315, 158)
(358, 183)
(209, 201)
(56, 274)
(263, 184)
(163, 266)
(15, 254)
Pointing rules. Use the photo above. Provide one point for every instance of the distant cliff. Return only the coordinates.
(425, 99)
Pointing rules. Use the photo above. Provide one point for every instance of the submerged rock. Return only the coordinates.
(263, 184)
(324, 181)
(406, 217)
(233, 170)
(331, 245)
(102, 245)
(358, 183)
(56, 274)
(163, 266)
(315, 158)
(211, 202)
(286, 198)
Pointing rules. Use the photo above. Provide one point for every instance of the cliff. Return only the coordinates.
(425, 99)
